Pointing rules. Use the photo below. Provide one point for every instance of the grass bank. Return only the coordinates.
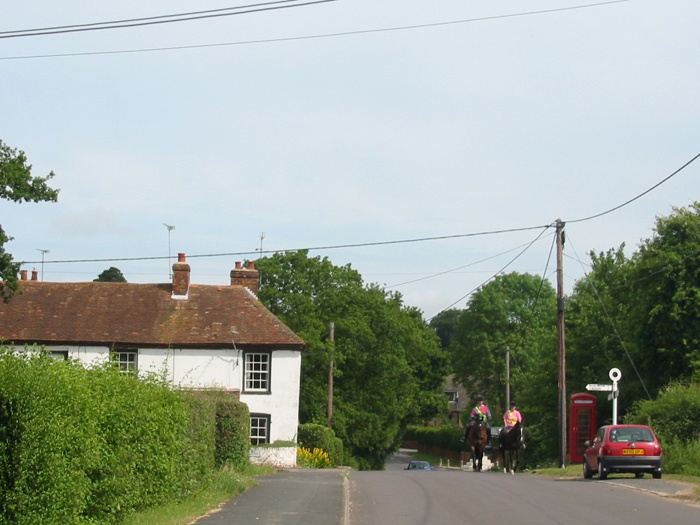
(225, 485)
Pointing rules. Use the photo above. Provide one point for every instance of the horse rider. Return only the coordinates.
(480, 413)
(511, 417)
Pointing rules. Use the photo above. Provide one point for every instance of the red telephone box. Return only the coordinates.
(583, 424)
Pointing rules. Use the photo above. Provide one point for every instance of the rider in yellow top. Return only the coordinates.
(481, 412)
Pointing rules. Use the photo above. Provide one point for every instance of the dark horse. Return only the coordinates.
(511, 442)
(477, 437)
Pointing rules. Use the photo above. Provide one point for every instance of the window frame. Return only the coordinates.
(128, 366)
(248, 370)
(257, 439)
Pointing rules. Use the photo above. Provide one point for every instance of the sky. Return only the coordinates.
(429, 144)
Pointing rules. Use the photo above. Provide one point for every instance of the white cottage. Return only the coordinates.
(197, 336)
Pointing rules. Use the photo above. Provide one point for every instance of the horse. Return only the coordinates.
(477, 437)
(511, 442)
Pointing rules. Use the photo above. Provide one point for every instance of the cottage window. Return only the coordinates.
(259, 429)
(126, 360)
(59, 355)
(257, 372)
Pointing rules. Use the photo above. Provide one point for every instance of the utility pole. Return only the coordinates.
(562, 341)
(507, 377)
(330, 377)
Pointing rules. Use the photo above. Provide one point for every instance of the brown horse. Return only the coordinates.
(478, 438)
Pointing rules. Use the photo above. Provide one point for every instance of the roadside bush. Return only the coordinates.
(232, 433)
(311, 436)
(89, 446)
(672, 415)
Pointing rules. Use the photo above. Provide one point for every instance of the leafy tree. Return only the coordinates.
(599, 329)
(517, 312)
(17, 185)
(111, 275)
(445, 324)
(665, 282)
(388, 365)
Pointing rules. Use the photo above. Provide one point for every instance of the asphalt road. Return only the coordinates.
(451, 497)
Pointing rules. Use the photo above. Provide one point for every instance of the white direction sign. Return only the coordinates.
(600, 388)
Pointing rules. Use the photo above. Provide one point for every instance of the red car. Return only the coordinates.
(623, 448)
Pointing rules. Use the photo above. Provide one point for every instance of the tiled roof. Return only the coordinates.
(144, 315)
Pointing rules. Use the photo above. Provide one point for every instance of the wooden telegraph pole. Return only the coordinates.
(330, 377)
(562, 341)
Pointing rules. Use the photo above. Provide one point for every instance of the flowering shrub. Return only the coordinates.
(313, 459)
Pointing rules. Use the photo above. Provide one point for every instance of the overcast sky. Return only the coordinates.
(346, 123)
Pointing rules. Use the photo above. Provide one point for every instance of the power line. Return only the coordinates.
(311, 248)
(312, 37)
(163, 19)
(641, 194)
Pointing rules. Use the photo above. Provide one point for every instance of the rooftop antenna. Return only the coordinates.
(170, 228)
(262, 236)
(43, 252)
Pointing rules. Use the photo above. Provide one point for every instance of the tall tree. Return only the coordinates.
(17, 185)
(598, 327)
(666, 287)
(111, 275)
(388, 363)
(516, 312)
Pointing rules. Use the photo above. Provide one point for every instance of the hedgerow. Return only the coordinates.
(89, 446)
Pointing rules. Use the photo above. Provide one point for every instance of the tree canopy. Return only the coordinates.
(111, 275)
(18, 185)
(388, 364)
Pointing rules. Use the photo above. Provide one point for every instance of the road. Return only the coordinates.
(444, 497)
(451, 497)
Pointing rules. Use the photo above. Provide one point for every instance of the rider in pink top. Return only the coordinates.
(511, 417)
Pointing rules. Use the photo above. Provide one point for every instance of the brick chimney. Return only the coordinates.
(248, 277)
(23, 275)
(181, 277)
(35, 274)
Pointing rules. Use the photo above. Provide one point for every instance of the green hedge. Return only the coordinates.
(311, 436)
(447, 437)
(89, 446)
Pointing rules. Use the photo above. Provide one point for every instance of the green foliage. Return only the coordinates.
(91, 446)
(232, 433)
(673, 414)
(17, 185)
(111, 275)
(446, 437)
(388, 364)
(665, 282)
(311, 436)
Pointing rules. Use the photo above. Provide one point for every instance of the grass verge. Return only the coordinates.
(225, 485)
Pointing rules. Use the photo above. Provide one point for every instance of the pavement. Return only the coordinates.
(293, 496)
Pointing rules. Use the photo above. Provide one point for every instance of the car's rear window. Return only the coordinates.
(631, 435)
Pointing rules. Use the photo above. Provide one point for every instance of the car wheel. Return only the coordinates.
(587, 473)
(601, 473)
(656, 475)
(639, 475)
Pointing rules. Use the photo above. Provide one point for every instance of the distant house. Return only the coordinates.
(196, 336)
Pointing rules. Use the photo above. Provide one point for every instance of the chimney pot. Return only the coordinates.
(181, 277)
(248, 277)
(23, 275)
(35, 274)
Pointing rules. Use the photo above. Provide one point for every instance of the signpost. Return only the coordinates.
(615, 376)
